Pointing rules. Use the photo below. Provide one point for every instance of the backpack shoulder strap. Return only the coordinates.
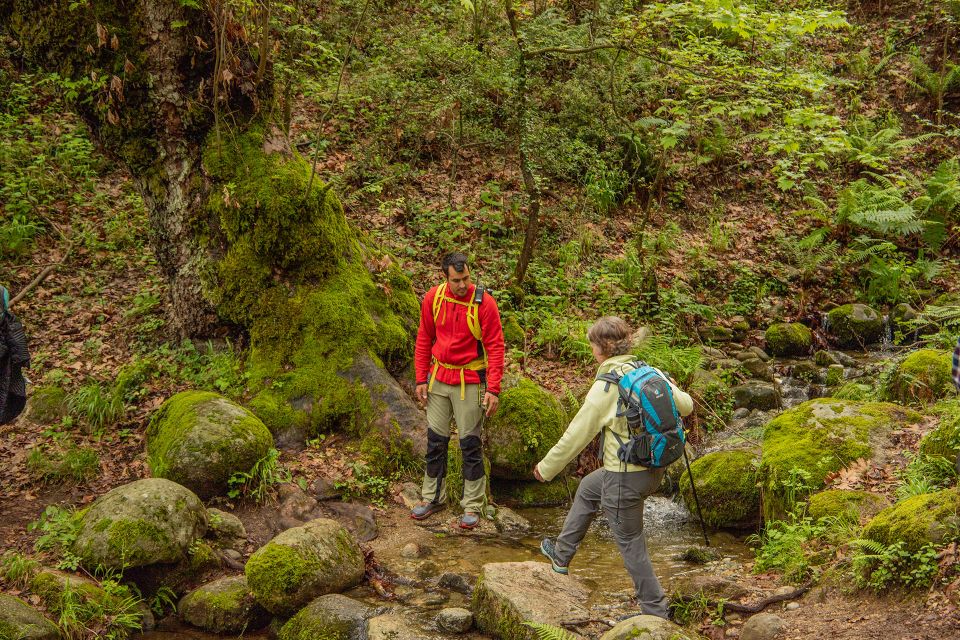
(438, 297)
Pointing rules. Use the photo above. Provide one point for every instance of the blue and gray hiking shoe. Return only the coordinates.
(469, 520)
(548, 548)
(424, 510)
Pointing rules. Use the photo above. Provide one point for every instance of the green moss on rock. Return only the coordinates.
(200, 439)
(788, 339)
(844, 503)
(20, 621)
(142, 523)
(944, 441)
(530, 493)
(918, 520)
(801, 446)
(855, 325)
(921, 377)
(726, 483)
(527, 424)
(47, 405)
(329, 617)
(302, 563)
(305, 329)
(225, 605)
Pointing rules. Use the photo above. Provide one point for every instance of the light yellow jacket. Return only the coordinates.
(599, 411)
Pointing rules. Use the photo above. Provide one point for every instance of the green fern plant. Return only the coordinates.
(878, 566)
(874, 146)
(932, 82)
(549, 632)
(877, 208)
(939, 205)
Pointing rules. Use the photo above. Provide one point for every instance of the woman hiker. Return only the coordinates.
(617, 488)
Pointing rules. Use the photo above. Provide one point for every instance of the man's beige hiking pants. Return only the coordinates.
(444, 404)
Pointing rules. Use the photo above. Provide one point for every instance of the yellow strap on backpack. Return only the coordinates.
(473, 324)
(473, 309)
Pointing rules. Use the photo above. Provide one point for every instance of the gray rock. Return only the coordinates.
(510, 523)
(755, 394)
(332, 616)
(648, 628)
(295, 503)
(324, 489)
(740, 414)
(138, 524)
(20, 621)
(200, 439)
(223, 606)
(303, 563)
(409, 494)
(454, 620)
(225, 528)
(392, 627)
(713, 586)
(763, 626)
(758, 369)
(511, 593)
(760, 353)
(411, 551)
(712, 353)
(793, 606)
(743, 356)
(359, 518)
(455, 582)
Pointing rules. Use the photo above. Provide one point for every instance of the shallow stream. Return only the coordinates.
(669, 527)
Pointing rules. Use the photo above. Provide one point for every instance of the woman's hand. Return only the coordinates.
(536, 474)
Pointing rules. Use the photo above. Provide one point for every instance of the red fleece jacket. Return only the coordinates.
(449, 340)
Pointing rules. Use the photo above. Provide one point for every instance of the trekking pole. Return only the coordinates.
(696, 501)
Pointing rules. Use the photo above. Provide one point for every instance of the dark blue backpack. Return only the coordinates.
(646, 400)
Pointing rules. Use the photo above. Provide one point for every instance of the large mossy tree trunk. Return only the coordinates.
(178, 95)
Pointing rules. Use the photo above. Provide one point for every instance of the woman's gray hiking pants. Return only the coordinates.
(603, 489)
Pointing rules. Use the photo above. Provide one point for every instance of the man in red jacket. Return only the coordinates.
(459, 363)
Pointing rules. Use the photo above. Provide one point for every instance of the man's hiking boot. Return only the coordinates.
(469, 520)
(424, 510)
(548, 548)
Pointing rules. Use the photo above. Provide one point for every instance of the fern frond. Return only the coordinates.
(549, 632)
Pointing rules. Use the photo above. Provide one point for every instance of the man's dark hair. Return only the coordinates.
(456, 260)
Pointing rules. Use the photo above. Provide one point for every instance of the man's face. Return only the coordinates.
(458, 281)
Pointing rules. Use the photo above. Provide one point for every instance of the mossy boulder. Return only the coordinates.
(145, 522)
(922, 377)
(303, 563)
(802, 446)
(918, 520)
(715, 334)
(20, 621)
(513, 333)
(314, 297)
(726, 483)
(530, 493)
(507, 594)
(225, 605)
(47, 405)
(199, 439)
(649, 628)
(944, 441)
(527, 424)
(855, 325)
(330, 617)
(788, 339)
(846, 504)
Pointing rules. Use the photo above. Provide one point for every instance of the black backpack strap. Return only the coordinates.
(610, 378)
